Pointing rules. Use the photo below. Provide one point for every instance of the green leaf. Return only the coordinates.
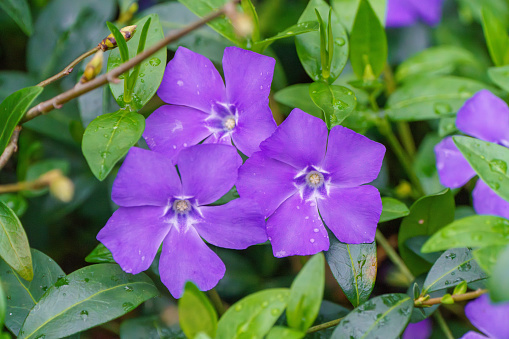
(421, 313)
(306, 294)
(151, 70)
(253, 315)
(354, 267)
(500, 76)
(121, 43)
(497, 284)
(473, 231)
(12, 109)
(453, 267)
(336, 102)
(308, 45)
(108, 138)
(461, 288)
(196, 313)
(486, 257)
(141, 47)
(3, 306)
(496, 37)
(488, 160)
(149, 327)
(432, 98)
(368, 43)
(86, 298)
(100, 254)
(300, 28)
(298, 96)
(382, 317)
(19, 11)
(280, 332)
(347, 9)
(14, 248)
(427, 216)
(415, 244)
(425, 163)
(249, 10)
(15, 202)
(393, 209)
(23, 295)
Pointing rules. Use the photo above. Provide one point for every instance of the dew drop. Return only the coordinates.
(128, 289)
(442, 108)
(174, 146)
(265, 304)
(497, 165)
(180, 83)
(340, 41)
(316, 230)
(127, 306)
(450, 256)
(275, 311)
(154, 62)
(84, 315)
(311, 240)
(306, 217)
(238, 308)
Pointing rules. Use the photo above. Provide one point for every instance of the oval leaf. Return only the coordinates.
(497, 284)
(496, 37)
(500, 76)
(86, 298)
(336, 102)
(382, 317)
(19, 11)
(298, 96)
(100, 254)
(393, 209)
(487, 257)
(108, 138)
(254, 315)
(300, 28)
(347, 9)
(196, 313)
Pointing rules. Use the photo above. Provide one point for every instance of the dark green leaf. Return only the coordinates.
(496, 37)
(354, 267)
(280, 332)
(393, 209)
(500, 76)
(486, 257)
(12, 109)
(298, 96)
(19, 11)
(498, 286)
(453, 266)
(14, 248)
(300, 28)
(100, 254)
(328, 311)
(121, 43)
(382, 317)
(15, 202)
(473, 231)
(149, 327)
(427, 216)
(336, 102)
(196, 313)
(108, 138)
(254, 315)
(23, 295)
(414, 244)
(347, 9)
(306, 294)
(3, 306)
(421, 313)
(86, 298)
(368, 43)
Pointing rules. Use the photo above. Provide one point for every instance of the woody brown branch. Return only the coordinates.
(11, 148)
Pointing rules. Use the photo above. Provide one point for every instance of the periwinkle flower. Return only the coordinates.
(407, 12)
(489, 318)
(157, 206)
(204, 109)
(419, 330)
(303, 174)
(484, 116)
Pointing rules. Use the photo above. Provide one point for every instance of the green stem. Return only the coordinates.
(406, 137)
(443, 324)
(216, 301)
(393, 256)
(324, 325)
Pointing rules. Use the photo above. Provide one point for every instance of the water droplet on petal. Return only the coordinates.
(311, 240)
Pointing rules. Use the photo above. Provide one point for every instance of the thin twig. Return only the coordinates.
(395, 258)
(44, 180)
(456, 298)
(11, 148)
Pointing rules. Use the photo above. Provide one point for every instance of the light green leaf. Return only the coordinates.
(280, 332)
(19, 11)
(336, 102)
(196, 313)
(496, 37)
(149, 327)
(393, 209)
(497, 284)
(298, 96)
(347, 9)
(100, 254)
(15, 202)
(300, 28)
(500, 76)
(487, 257)
(121, 43)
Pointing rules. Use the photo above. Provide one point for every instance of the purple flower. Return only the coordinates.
(407, 12)
(157, 206)
(299, 177)
(203, 109)
(491, 319)
(486, 117)
(420, 330)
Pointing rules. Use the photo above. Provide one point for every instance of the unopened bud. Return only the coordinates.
(243, 25)
(109, 42)
(62, 188)
(93, 68)
(403, 190)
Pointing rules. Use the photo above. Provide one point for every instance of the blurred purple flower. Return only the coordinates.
(491, 319)
(407, 12)
(420, 330)
(203, 109)
(298, 178)
(157, 206)
(484, 116)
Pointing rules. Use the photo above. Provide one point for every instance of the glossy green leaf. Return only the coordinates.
(393, 209)
(15, 202)
(427, 216)
(488, 160)
(385, 316)
(368, 43)
(461, 288)
(196, 313)
(354, 267)
(149, 327)
(497, 284)
(453, 266)
(108, 138)
(12, 109)
(496, 37)
(14, 248)
(486, 257)
(336, 102)
(300, 28)
(280, 332)
(86, 298)
(19, 11)
(121, 43)
(473, 231)
(298, 96)
(431, 98)
(151, 70)
(500, 76)
(23, 295)
(253, 315)
(306, 294)
(347, 9)
(100, 254)
(308, 45)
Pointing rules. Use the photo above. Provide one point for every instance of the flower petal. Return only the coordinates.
(419, 330)
(400, 13)
(453, 169)
(248, 76)
(237, 224)
(208, 171)
(486, 201)
(485, 116)
(145, 178)
(190, 79)
(489, 318)
(299, 141)
(185, 257)
(430, 11)
(473, 335)
(352, 214)
(296, 228)
(133, 236)
(352, 159)
(267, 181)
(255, 124)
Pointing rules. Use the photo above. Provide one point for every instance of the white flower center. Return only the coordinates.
(229, 123)
(314, 179)
(181, 206)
